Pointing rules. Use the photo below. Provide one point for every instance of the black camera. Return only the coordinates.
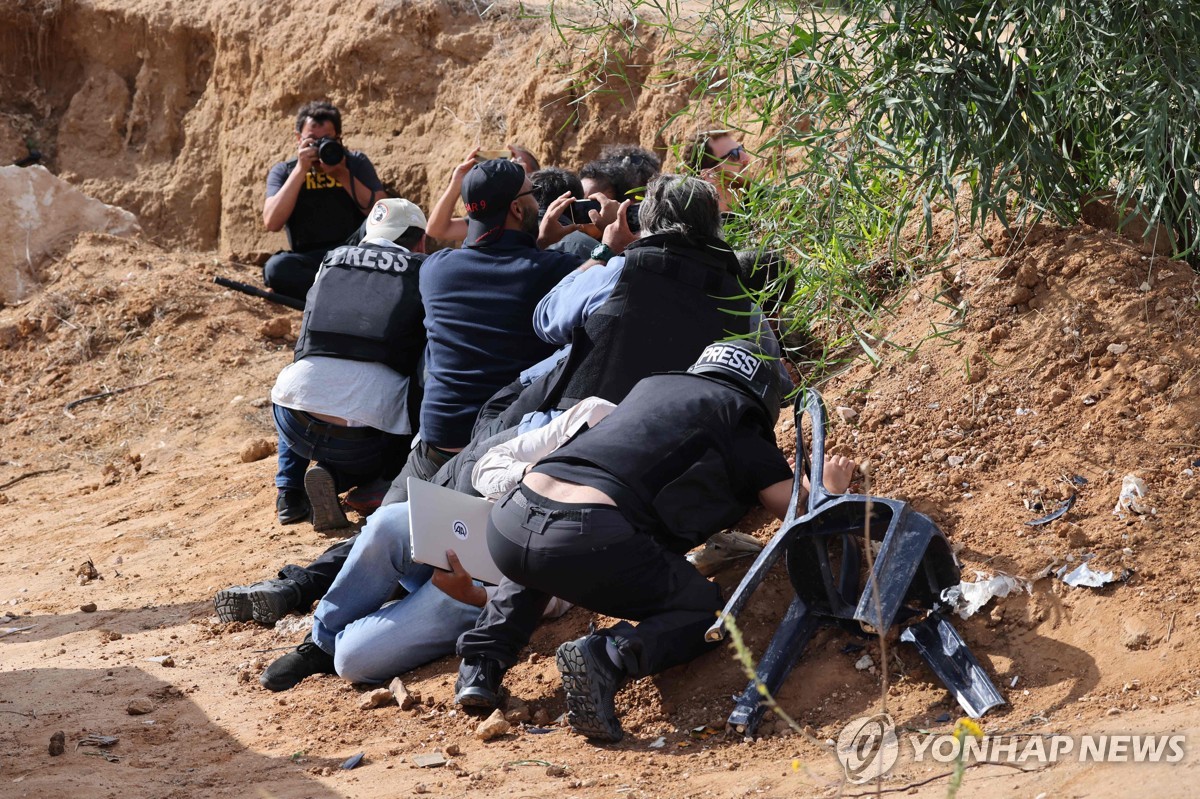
(330, 151)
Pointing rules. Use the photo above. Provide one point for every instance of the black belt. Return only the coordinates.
(550, 513)
(333, 430)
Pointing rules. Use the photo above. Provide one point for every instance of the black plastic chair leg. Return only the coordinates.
(951, 660)
(787, 645)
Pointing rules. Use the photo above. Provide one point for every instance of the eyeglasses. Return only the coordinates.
(522, 194)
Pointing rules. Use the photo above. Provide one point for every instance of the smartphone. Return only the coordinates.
(491, 155)
(632, 218)
(579, 209)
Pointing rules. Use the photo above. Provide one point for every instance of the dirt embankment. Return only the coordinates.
(1056, 353)
(176, 111)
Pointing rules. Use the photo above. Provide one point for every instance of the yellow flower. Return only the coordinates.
(795, 764)
(966, 726)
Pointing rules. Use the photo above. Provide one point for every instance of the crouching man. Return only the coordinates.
(604, 522)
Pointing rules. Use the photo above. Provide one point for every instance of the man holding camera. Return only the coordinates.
(320, 198)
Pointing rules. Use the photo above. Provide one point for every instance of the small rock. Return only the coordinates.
(864, 663)
(139, 706)
(1135, 634)
(541, 717)
(492, 727)
(279, 327)
(1117, 349)
(1113, 711)
(166, 661)
(1058, 396)
(1155, 378)
(1019, 295)
(556, 771)
(87, 572)
(88, 607)
(58, 743)
(453, 750)
(420, 787)
(1028, 276)
(404, 698)
(955, 460)
(517, 715)
(256, 449)
(376, 698)
(849, 415)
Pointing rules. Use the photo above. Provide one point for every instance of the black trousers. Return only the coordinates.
(315, 578)
(292, 273)
(590, 556)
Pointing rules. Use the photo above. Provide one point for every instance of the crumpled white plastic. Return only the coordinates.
(968, 598)
(1133, 489)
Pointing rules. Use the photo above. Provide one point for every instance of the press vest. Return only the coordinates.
(669, 445)
(673, 299)
(365, 305)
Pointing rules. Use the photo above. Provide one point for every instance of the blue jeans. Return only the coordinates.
(352, 461)
(370, 641)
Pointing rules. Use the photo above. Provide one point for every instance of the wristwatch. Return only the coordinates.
(602, 253)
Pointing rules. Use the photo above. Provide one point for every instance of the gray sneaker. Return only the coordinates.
(266, 602)
(323, 497)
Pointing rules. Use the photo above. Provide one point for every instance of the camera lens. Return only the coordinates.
(330, 151)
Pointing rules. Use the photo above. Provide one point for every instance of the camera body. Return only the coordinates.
(331, 151)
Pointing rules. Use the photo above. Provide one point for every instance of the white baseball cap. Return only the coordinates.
(390, 218)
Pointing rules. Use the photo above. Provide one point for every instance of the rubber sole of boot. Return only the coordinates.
(590, 691)
(233, 604)
(477, 698)
(322, 496)
(268, 607)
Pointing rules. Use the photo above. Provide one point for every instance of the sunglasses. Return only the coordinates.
(522, 194)
(735, 154)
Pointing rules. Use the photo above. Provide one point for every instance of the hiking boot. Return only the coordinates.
(478, 683)
(287, 672)
(266, 602)
(591, 681)
(323, 497)
(291, 506)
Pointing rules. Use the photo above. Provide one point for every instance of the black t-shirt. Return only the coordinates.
(325, 215)
(682, 456)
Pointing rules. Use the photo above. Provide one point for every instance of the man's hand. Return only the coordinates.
(609, 210)
(618, 236)
(552, 231)
(839, 471)
(460, 171)
(306, 155)
(458, 583)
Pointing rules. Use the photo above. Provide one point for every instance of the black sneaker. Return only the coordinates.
(478, 683)
(591, 682)
(289, 670)
(266, 602)
(291, 506)
(323, 498)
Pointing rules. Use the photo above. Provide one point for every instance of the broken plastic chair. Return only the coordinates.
(837, 582)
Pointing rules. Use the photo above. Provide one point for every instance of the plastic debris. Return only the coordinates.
(1082, 575)
(353, 761)
(1058, 512)
(659, 742)
(431, 760)
(1133, 490)
(968, 598)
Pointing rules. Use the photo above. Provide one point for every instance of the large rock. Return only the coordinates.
(39, 214)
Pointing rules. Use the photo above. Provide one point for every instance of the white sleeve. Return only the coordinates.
(503, 466)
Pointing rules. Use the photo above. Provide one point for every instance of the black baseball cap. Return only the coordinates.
(487, 191)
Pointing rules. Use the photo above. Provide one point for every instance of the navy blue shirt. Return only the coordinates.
(479, 305)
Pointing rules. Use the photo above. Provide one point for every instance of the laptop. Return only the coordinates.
(440, 519)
